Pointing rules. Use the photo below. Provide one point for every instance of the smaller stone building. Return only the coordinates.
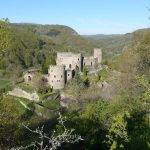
(29, 75)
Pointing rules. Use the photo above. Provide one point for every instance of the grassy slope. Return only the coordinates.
(4, 82)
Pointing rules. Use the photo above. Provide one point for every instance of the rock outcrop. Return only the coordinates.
(21, 93)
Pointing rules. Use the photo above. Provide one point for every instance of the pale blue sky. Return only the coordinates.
(85, 16)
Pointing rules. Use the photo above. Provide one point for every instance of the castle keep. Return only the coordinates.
(66, 62)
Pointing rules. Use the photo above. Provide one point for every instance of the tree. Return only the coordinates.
(84, 71)
(117, 133)
(5, 39)
(50, 60)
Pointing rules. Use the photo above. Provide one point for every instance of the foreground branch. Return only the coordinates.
(53, 141)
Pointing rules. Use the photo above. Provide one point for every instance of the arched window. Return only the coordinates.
(91, 63)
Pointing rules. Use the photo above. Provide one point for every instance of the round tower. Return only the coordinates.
(98, 54)
(56, 76)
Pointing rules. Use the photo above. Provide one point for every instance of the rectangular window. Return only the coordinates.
(54, 76)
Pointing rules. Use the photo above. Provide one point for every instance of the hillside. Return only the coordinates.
(109, 109)
(111, 44)
(63, 36)
(34, 45)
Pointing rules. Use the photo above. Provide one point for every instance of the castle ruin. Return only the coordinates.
(66, 63)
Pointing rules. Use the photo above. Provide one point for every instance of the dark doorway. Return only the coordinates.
(29, 78)
(70, 66)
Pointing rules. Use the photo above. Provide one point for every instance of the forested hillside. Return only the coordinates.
(111, 44)
(110, 109)
(121, 122)
(33, 45)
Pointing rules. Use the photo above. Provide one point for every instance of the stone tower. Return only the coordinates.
(98, 54)
(56, 76)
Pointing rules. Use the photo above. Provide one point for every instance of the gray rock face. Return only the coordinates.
(21, 93)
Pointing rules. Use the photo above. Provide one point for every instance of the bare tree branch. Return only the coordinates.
(54, 140)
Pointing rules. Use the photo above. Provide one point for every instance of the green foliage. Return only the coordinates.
(112, 45)
(103, 75)
(85, 71)
(44, 90)
(51, 104)
(5, 39)
(142, 39)
(53, 32)
(26, 87)
(11, 114)
(5, 86)
(50, 60)
(117, 133)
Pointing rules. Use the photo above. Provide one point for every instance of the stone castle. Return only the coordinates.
(67, 62)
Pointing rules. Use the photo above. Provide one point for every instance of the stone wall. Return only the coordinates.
(90, 62)
(68, 75)
(70, 60)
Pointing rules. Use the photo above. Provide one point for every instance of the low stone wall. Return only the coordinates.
(21, 93)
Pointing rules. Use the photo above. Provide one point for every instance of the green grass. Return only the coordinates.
(26, 87)
(13, 102)
(51, 104)
(4, 82)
